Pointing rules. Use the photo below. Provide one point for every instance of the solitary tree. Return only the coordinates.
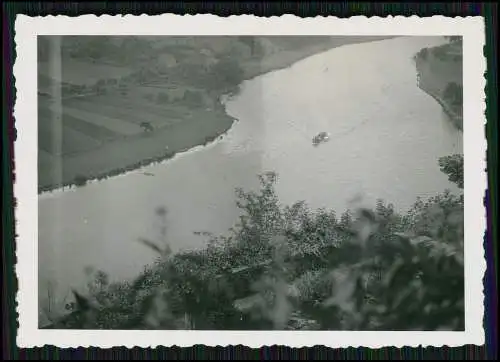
(146, 126)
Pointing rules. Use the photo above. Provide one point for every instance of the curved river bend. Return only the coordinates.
(386, 138)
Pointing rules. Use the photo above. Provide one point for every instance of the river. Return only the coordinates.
(386, 137)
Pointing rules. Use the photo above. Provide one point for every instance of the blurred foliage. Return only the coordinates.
(290, 267)
(453, 93)
(453, 166)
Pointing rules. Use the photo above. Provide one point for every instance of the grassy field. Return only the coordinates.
(98, 133)
(127, 111)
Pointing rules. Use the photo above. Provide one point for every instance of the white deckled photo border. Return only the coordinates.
(25, 188)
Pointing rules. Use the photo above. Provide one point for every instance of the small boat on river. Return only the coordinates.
(320, 138)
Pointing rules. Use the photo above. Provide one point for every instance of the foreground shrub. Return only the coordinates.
(290, 267)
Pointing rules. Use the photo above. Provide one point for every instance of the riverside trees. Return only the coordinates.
(453, 93)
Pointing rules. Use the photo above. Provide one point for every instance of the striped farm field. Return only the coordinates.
(87, 128)
(46, 160)
(116, 125)
(134, 115)
(130, 103)
(64, 141)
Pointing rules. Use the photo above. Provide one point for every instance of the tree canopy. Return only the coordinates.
(453, 166)
(227, 72)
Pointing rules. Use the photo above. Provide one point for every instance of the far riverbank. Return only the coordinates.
(437, 68)
(200, 126)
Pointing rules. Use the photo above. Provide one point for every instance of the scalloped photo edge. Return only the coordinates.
(25, 188)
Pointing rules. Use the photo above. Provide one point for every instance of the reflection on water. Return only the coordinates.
(385, 138)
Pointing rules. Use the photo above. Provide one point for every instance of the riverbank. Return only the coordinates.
(194, 126)
(287, 58)
(87, 226)
(437, 69)
(454, 116)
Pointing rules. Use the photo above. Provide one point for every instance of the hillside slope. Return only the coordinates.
(440, 75)
(111, 104)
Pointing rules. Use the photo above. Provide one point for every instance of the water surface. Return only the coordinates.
(386, 138)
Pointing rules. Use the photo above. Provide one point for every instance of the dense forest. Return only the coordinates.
(291, 267)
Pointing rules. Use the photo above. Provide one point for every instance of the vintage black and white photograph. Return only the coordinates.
(239, 182)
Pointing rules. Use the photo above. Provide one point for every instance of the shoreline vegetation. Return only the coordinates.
(290, 267)
(439, 74)
(199, 120)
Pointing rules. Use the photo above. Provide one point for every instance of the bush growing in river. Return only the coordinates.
(291, 267)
